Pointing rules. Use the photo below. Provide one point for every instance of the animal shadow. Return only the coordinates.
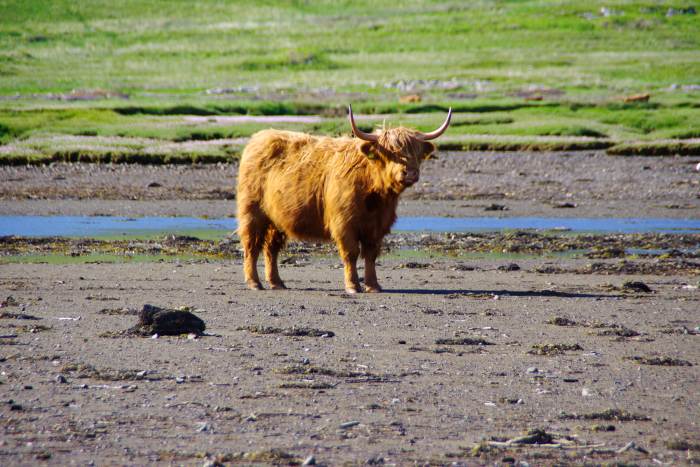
(502, 293)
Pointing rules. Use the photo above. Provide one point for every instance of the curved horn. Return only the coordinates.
(359, 133)
(439, 131)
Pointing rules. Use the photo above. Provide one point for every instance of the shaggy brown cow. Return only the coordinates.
(318, 188)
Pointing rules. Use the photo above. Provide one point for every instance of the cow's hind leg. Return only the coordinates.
(274, 241)
(370, 251)
(252, 230)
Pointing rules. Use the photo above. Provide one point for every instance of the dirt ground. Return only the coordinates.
(458, 359)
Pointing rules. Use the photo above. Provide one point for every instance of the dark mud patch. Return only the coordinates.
(87, 371)
(680, 330)
(413, 265)
(608, 415)
(509, 267)
(154, 320)
(118, 311)
(549, 350)
(562, 321)
(463, 341)
(8, 315)
(307, 385)
(27, 328)
(636, 286)
(315, 370)
(9, 301)
(619, 332)
(272, 456)
(606, 252)
(661, 267)
(447, 350)
(682, 445)
(659, 361)
(608, 329)
(292, 331)
(655, 260)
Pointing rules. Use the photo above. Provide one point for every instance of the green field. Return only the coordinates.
(114, 81)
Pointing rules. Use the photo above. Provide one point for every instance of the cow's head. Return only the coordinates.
(399, 151)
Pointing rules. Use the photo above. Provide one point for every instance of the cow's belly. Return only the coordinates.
(298, 218)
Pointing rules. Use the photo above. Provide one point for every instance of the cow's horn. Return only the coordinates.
(359, 133)
(439, 131)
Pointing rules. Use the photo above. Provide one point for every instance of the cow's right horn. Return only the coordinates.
(359, 133)
(439, 131)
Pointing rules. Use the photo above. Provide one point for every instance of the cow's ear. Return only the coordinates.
(428, 150)
(369, 149)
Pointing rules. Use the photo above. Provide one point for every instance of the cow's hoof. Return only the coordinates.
(277, 286)
(373, 288)
(352, 290)
(255, 286)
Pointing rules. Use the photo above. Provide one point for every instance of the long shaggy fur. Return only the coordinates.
(294, 185)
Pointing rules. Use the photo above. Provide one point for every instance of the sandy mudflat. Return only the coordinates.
(416, 400)
(449, 356)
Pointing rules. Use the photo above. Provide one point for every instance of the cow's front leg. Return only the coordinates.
(349, 249)
(370, 251)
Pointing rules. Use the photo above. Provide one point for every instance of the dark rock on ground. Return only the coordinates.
(167, 322)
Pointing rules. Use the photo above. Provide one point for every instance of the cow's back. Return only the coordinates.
(283, 175)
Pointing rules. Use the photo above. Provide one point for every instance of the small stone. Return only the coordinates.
(495, 207)
(532, 370)
(637, 286)
(203, 427)
(153, 185)
(60, 379)
(16, 407)
(375, 461)
(311, 460)
(346, 425)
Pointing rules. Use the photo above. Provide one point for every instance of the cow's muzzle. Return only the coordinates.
(410, 177)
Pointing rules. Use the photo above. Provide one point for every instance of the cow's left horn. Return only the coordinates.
(359, 133)
(439, 131)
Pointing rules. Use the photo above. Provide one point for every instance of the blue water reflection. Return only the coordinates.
(91, 226)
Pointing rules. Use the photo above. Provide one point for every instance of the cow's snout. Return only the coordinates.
(410, 176)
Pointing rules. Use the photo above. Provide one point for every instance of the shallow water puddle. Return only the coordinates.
(101, 226)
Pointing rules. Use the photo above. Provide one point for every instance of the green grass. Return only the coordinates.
(132, 69)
